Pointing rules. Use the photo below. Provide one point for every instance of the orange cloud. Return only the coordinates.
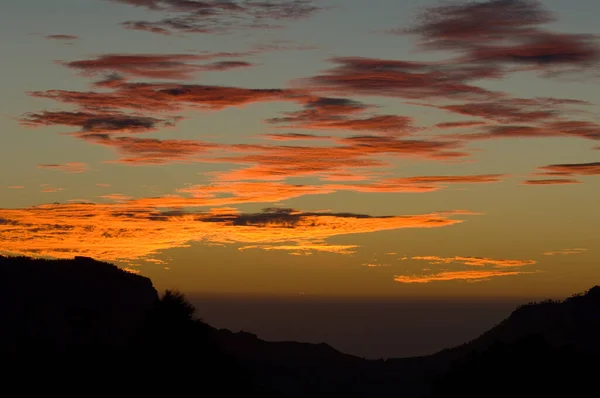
(16, 186)
(134, 230)
(358, 152)
(475, 261)
(418, 184)
(306, 248)
(47, 188)
(565, 252)
(117, 197)
(70, 167)
(250, 192)
(279, 162)
(469, 276)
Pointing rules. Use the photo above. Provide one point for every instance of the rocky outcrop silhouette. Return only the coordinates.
(65, 304)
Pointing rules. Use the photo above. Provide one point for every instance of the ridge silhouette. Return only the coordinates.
(84, 326)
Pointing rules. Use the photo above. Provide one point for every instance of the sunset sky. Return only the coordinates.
(340, 148)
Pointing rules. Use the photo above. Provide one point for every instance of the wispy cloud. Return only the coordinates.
(216, 16)
(47, 188)
(96, 122)
(156, 66)
(575, 128)
(571, 169)
(165, 97)
(468, 276)
(295, 137)
(418, 184)
(62, 37)
(144, 151)
(402, 79)
(116, 197)
(356, 152)
(565, 252)
(474, 261)
(69, 167)
(459, 125)
(338, 114)
(551, 181)
(306, 249)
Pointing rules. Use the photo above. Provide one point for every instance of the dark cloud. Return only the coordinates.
(465, 24)
(217, 16)
(505, 34)
(153, 97)
(295, 137)
(144, 151)
(552, 181)
(506, 110)
(91, 122)
(573, 169)
(226, 65)
(337, 114)
(574, 128)
(415, 80)
(70, 167)
(62, 37)
(155, 66)
(456, 125)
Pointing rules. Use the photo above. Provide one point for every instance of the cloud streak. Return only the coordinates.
(401, 79)
(468, 276)
(337, 114)
(565, 252)
(571, 169)
(69, 167)
(62, 37)
(475, 261)
(551, 181)
(155, 66)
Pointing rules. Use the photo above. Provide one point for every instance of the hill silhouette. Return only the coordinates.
(74, 324)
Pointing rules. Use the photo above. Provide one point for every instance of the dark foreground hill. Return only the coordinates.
(82, 326)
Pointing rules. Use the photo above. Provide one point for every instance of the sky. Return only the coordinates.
(292, 148)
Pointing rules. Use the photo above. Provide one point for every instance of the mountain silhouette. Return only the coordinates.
(73, 325)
